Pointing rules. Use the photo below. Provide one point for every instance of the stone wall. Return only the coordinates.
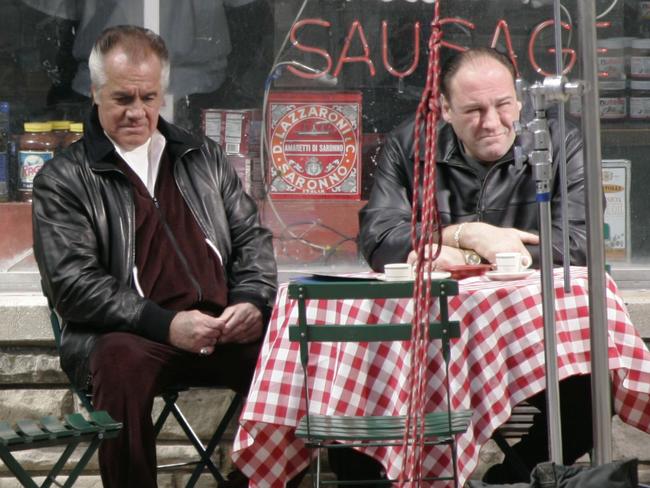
(32, 385)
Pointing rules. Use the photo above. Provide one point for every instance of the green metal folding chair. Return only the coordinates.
(50, 431)
(320, 431)
(170, 406)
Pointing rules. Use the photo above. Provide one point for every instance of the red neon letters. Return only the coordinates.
(356, 30)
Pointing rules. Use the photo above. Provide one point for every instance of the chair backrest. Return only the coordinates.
(305, 289)
(56, 328)
(55, 323)
(84, 396)
(318, 430)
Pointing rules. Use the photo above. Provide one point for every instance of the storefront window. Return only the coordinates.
(363, 61)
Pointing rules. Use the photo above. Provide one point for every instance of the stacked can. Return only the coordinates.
(640, 80)
(612, 81)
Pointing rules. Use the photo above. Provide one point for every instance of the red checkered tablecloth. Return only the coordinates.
(496, 363)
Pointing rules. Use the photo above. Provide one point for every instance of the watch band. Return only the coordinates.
(457, 234)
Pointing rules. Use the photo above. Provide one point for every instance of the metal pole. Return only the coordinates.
(541, 161)
(559, 67)
(550, 344)
(600, 387)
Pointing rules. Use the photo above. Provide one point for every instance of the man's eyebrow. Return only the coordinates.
(128, 94)
(121, 94)
(469, 106)
(477, 104)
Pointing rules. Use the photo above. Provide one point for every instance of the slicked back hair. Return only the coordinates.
(137, 43)
(456, 62)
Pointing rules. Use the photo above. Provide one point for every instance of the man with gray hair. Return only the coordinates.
(151, 253)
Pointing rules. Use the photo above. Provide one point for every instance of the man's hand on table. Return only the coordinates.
(487, 240)
(448, 256)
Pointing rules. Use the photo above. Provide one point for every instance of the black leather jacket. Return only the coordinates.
(506, 198)
(84, 241)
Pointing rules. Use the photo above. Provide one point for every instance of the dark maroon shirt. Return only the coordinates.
(177, 269)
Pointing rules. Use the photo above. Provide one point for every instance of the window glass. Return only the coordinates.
(364, 62)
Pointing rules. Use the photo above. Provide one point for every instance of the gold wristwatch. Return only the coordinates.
(471, 257)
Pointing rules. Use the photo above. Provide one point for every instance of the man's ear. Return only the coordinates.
(93, 94)
(445, 108)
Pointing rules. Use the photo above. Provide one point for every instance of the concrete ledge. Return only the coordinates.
(24, 320)
(23, 366)
(638, 306)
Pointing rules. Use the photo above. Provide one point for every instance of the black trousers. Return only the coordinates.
(577, 438)
(349, 464)
(128, 371)
(577, 430)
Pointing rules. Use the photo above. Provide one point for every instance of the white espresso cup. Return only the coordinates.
(512, 262)
(398, 271)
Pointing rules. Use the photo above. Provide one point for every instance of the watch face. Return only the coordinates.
(472, 258)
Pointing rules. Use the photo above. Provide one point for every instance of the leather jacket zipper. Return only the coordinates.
(210, 240)
(189, 204)
(177, 248)
(480, 204)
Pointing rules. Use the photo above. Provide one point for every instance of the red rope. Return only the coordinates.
(428, 112)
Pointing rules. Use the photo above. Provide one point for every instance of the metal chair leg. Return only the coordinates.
(318, 468)
(58, 467)
(235, 403)
(169, 399)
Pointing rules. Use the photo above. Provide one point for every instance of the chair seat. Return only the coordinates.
(369, 428)
(50, 431)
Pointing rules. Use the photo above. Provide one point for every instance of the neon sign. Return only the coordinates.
(356, 31)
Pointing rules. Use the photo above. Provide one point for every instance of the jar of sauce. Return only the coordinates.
(35, 146)
(60, 128)
(76, 132)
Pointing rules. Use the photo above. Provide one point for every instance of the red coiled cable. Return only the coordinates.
(430, 232)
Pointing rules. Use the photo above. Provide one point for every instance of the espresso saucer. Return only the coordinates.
(509, 276)
(435, 275)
